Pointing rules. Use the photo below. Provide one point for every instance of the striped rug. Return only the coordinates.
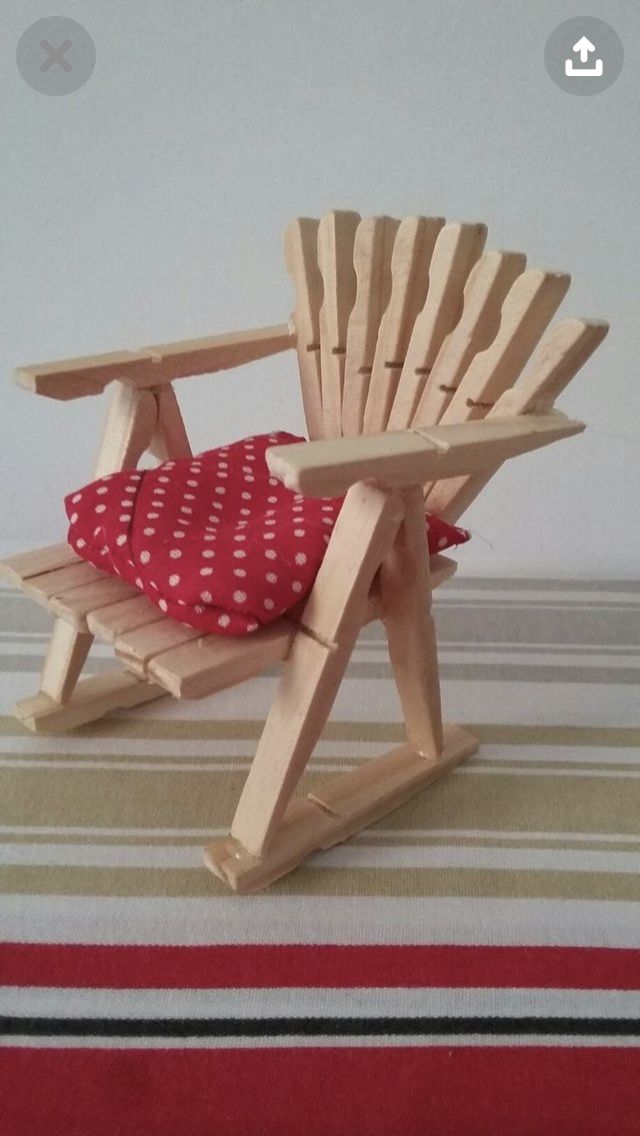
(470, 965)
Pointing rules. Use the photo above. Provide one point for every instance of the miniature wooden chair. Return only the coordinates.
(409, 342)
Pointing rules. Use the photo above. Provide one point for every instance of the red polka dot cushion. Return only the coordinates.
(215, 541)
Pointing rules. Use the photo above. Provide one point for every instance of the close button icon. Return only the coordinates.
(56, 55)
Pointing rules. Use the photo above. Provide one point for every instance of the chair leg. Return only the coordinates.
(311, 679)
(66, 655)
(170, 437)
(62, 701)
(406, 612)
(332, 620)
(272, 833)
(134, 419)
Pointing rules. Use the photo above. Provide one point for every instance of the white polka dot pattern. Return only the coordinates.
(245, 556)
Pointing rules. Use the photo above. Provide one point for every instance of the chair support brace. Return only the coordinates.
(271, 833)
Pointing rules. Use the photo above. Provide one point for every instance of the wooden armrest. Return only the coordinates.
(152, 366)
(398, 459)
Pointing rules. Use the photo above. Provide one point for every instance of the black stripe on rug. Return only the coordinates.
(311, 1027)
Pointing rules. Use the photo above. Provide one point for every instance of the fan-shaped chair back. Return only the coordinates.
(410, 323)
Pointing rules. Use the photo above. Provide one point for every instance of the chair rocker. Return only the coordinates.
(411, 342)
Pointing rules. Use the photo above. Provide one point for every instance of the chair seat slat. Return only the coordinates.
(16, 569)
(214, 662)
(107, 623)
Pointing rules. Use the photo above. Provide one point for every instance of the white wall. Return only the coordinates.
(149, 205)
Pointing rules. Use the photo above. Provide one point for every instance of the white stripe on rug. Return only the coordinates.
(300, 919)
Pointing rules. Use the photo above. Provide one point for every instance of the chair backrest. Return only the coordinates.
(410, 323)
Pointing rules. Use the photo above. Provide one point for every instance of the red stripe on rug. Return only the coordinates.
(321, 1092)
(218, 967)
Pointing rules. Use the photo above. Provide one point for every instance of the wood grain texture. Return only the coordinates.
(77, 603)
(485, 291)
(160, 363)
(559, 357)
(215, 662)
(107, 623)
(136, 648)
(336, 811)
(170, 438)
(301, 260)
(336, 237)
(412, 252)
(129, 427)
(16, 569)
(314, 669)
(65, 658)
(552, 367)
(458, 247)
(43, 588)
(327, 468)
(92, 698)
(530, 305)
(405, 593)
(372, 253)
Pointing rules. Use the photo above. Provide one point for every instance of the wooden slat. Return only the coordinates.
(65, 379)
(383, 783)
(43, 588)
(91, 698)
(150, 366)
(336, 235)
(337, 810)
(215, 662)
(66, 655)
(170, 438)
(327, 468)
(115, 619)
(215, 353)
(552, 367)
(441, 568)
(372, 252)
(15, 569)
(530, 305)
(558, 358)
(405, 591)
(487, 286)
(364, 530)
(136, 648)
(128, 430)
(412, 252)
(76, 604)
(477, 444)
(457, 249)
(301, 259)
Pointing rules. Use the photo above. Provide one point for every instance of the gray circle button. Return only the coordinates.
(55, 56)
(584, 55)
